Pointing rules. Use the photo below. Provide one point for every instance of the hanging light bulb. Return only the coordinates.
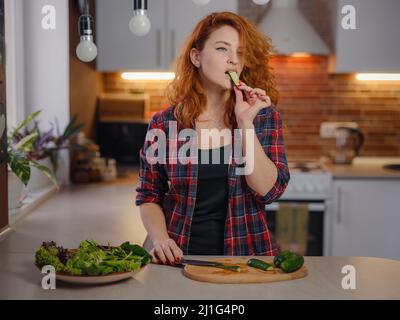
(140, 24)
(201, 2)
(86, 49)
(261, 2)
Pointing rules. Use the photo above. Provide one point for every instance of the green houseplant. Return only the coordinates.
(45, 148)
(50, 142)
(20, 163)
(27, 149)
(18, 151)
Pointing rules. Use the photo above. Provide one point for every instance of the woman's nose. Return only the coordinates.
(233, 59)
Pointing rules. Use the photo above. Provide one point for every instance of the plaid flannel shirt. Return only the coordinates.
(173, 187)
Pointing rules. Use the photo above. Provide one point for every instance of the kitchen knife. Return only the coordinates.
(203, 263)
(199, 263)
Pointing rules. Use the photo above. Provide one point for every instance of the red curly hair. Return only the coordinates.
(186, 91)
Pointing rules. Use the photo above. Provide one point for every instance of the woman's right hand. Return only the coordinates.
(166, 252)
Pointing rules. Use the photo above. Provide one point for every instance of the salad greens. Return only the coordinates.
(92, 259)
(49, 256)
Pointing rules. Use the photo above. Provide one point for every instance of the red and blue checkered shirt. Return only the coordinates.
(173, 187)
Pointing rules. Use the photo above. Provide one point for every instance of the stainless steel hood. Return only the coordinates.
(290, 31)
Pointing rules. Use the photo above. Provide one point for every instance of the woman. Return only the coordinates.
(203, 208)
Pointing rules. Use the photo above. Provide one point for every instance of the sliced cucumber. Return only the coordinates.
(259, 264)
(234, 77)
(231, 268)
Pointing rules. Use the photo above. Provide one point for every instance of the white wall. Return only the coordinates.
(14, 62)
(39, 66)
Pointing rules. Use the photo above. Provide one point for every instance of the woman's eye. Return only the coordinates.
(224, 49)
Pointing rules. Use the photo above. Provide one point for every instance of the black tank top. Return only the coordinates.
(211, 207)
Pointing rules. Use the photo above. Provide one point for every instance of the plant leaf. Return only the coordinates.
(45, 138)
(28, 119)
(71, 130)
(70, 124)
(20, 166)
(26, 143)
(54, 159)
(45, 170)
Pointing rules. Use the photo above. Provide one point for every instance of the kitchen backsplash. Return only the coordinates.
(310, 95)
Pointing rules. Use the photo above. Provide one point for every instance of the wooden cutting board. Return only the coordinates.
(246, 275)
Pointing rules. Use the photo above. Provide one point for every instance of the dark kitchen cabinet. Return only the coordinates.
(121, 140)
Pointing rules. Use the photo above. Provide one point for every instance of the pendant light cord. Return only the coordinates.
(86, 10)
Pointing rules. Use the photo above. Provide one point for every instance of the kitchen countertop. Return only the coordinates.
(107, 213)
(363, 167)
(375, 279)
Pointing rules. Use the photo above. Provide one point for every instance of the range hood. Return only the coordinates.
(289, 30)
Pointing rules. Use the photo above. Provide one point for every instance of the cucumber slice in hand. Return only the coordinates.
(234, 77)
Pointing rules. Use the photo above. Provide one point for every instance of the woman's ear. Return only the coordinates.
(195, 57)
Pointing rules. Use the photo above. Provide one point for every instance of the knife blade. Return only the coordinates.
(203, 263)
(184, 261)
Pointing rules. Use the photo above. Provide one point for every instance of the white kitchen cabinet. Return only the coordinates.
(118, 48)
(374, 46)
(184, 15)
(171, 22)
(366, 218)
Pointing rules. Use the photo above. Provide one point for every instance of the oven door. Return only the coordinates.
(297, 225)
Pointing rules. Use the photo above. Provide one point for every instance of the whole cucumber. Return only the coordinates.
(259, 264)
(282, 257)
(293, 263)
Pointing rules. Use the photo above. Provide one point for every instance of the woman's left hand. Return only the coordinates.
(257, 99)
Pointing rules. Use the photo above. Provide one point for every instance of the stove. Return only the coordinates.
(310, 184)
(308, 181)
(305, 166)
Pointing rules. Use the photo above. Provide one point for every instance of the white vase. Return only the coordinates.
(15, 191)
(38, 179)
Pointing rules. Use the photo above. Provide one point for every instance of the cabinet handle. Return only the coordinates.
(339, 205)
(172, 45)
(312, 207)
(158, 44)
